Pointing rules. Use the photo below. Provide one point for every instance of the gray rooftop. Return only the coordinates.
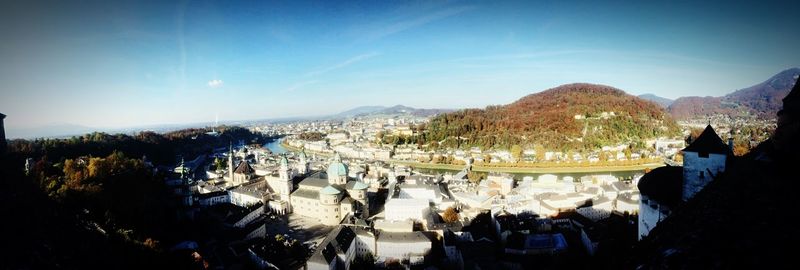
(402, 237)
(314, 182)
(305, 193)
(337, 242)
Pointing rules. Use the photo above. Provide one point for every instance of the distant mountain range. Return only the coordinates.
(64, 130)
(384, 110)
(48, 131)
(58, 130)
(664, 102)
(762, 100)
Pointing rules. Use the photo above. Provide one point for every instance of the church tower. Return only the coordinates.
(284, 172)
(703, 160)
(230, 162)
(302, 167)
(285, 186)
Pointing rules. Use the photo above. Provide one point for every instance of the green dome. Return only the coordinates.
(337, 169)
(284, 161)
(360, 185)
(330, 190)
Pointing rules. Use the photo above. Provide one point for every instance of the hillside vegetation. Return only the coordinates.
(568, 117)
(92, 202)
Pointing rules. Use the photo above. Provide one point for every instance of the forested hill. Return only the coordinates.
(569, 117)
(91, 202)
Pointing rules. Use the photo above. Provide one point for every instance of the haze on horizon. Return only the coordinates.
(113, 64)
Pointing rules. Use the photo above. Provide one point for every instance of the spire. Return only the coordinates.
(284, 161)
(230, 161)
(182, 167)
(708, 142)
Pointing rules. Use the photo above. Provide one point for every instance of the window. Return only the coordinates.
(702, 174)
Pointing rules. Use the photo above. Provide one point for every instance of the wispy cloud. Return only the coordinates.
(215, 83)
(299, 85)
(403, 25)
(344, 64)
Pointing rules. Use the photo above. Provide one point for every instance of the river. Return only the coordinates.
(275, 146)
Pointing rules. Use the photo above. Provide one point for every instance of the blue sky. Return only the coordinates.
(113, 64)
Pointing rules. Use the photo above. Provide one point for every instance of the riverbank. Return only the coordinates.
(296, 149)
(585, 169)
(536, 170)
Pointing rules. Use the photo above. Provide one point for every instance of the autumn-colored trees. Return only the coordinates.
(311, 136)
(516, 152)
(450, 215)
(97, 190)
(475, 177)
(547, 119)
(219, 164)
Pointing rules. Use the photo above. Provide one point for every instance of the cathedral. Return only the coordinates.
(331, 195)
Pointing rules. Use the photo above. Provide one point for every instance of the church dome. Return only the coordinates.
(330, 190)
(337, 169)
(357, 185)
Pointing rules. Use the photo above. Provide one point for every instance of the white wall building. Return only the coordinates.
(665, 188)
(406, 209)
(403, 245)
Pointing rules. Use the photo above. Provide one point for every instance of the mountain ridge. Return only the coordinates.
(761, 100)
(664, 102)
(387, 110)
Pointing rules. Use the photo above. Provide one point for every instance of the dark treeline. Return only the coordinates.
(159, 148)
(93, 202)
